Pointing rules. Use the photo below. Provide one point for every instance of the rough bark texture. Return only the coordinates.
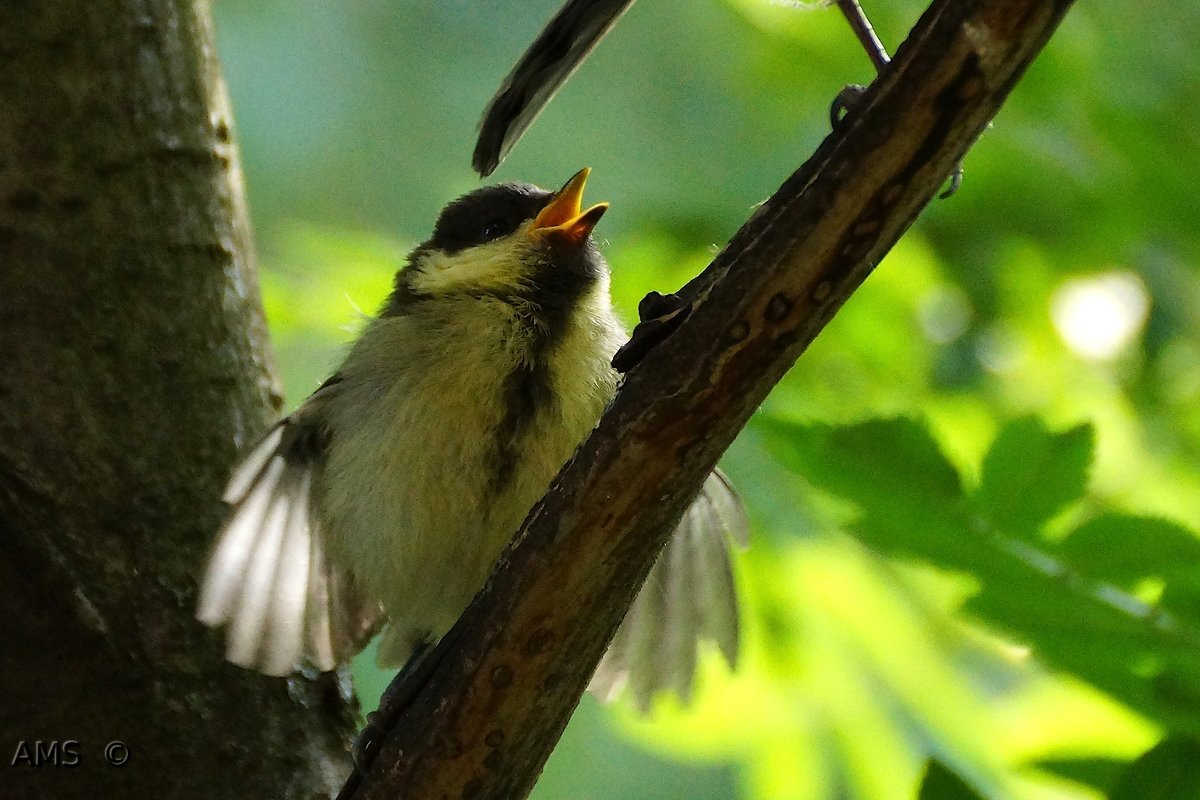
(480, 719)
(135, 364)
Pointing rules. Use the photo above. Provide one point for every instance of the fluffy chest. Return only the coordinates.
(450, 425)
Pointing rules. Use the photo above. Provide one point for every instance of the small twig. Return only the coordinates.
(862, 28)
(845, 100)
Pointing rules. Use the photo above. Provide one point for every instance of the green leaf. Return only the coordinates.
(1098, 773)
(893, 470)
(886, 465)
(1066, 610)
(1168, 771)
(940, 783)
(1030, 474)
(1077, 627)
(1181, 596)
(1126, 549)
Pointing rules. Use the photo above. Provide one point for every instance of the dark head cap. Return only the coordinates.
(486, 214)
(507, 240)
(496, 211)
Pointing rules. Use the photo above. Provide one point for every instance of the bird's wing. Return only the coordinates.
(556, 53)
(688, 596)
(269, 579)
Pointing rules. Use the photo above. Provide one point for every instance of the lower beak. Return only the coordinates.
(562, 217)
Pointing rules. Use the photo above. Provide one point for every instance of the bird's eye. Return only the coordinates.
(494, 229)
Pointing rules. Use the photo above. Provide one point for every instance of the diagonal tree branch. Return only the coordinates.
(492, 699)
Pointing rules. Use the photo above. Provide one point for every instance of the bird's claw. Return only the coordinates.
(659, 315)
(955, 181)
(397, 695)
(847, 100)
(366, 743)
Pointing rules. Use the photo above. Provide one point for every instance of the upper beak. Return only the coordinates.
(562, 216)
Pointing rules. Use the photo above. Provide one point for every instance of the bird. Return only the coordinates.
(383, 501)
(563, 45)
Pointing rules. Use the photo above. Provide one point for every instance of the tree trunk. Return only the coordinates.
(135, 365)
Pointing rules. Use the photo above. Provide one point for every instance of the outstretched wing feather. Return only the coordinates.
(269, 580)
(689, 596)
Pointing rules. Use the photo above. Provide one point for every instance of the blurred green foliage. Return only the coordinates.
(975, 499)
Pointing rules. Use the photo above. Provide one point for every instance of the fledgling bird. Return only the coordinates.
(386, 497)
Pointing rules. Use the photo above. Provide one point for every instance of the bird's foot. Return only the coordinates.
(845, 104)
(395, 698)
(659, 315)
(953, 182)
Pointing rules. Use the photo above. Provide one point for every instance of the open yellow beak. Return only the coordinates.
(562, 216)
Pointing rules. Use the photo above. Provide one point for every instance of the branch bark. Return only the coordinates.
(481, 716)
(135, 365)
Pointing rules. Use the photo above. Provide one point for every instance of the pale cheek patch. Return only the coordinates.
(496, 265)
